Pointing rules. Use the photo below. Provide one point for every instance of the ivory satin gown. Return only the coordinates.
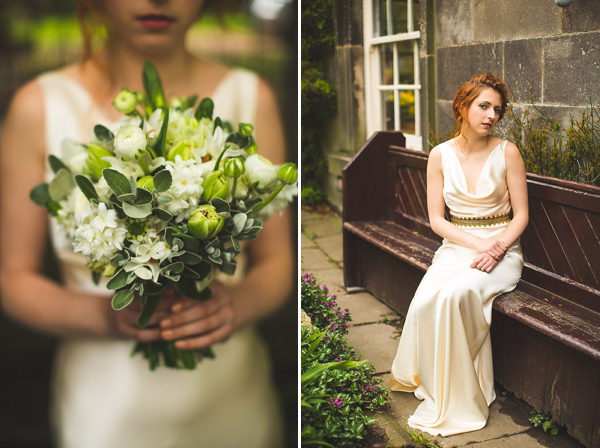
(445, 353)
(103, 398)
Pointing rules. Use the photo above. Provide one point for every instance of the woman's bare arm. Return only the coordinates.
(517, 190)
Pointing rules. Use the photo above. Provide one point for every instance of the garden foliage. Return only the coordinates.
(338, 393)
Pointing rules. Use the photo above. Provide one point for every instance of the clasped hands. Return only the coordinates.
(190, 323)
(491, 251)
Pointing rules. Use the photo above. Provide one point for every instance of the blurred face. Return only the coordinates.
(484, 112)
(151, 26)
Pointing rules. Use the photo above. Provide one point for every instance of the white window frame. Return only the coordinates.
(373, 85)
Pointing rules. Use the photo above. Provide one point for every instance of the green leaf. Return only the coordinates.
(118, 280)
(127, 197)
(546, 425)
(190, 101)
(148, 309)
(161, 140)
(190, 258)
(61, 185)
(96, 277)
(554, 431)
(56, 164)
(121, 299)
(153, 86)
(103, 134)
(190, 242)
(161, 214)
(175, 268)
(86, 187)
(187, 287)
(164, 198)
(238, 222)
(40, 196)
(137, 211)
(220, 205)
(162, 181)
(132, 184)
(187, 359)
(143, 196)
(117, 182)
(205, 109)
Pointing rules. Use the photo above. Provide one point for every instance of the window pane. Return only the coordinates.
(407, 111)
(415, 10)
(406, 62)
(389, 17)
(386, 57)
(387, 110)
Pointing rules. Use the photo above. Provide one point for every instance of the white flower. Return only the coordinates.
(99, 235)
(127, 168)
(73, 203)
(260, 170)
(74, 155)
(186, 187)
(146, 271)
(130, 142)
(151, 247)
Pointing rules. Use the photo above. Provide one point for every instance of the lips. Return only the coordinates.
(155, 22)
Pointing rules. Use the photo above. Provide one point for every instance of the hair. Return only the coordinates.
(470, 90)
(93, 22)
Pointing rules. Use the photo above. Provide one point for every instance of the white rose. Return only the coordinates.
(130, 142)
(261, 170)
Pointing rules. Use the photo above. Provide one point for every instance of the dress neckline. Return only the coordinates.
(464, 176)
(100, 110)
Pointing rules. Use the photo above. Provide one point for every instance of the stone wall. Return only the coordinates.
(533, 43)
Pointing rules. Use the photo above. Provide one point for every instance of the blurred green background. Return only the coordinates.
(41, 35)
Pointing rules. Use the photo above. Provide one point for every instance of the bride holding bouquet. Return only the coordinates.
(101, 396)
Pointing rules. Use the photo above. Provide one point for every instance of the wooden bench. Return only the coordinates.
(545, 333)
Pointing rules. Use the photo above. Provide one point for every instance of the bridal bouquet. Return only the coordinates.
(164, 195)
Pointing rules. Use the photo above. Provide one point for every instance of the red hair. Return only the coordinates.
(470, 90)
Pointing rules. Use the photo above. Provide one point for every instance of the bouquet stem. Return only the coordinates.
(171, 356)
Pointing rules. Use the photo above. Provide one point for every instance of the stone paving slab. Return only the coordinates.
(533, 438)
(307, 216)
(331, 225)
(397, 436)
(375, 343)
(332, 246)
(365, 308)
(313, 259)
(307, 243)
(333, 278)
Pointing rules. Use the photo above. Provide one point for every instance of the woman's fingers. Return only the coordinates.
(205, 340)
(201, 326)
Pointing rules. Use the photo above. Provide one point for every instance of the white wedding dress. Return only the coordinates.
(103, 398)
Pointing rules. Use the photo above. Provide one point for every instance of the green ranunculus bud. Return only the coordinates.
(245, 129)
(215, 186)
(234, 167)
(204, 222)
(181, 149)
(177, 103)
(287, 173)
(125, 101)
(252, 149)
(94, 161)
(146, 182)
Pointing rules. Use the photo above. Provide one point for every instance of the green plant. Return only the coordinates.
(420, 438)
(566, 151)
(317, 95)
(539, 418)
(321, 307)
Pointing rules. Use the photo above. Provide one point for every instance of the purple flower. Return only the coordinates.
(368, 388)
(336, 401)
(325, 288)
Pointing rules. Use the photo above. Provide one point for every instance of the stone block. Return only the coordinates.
(515, 19)
(365, 308)
(327, 225)
(307, 243)
(572, 69)
(445, 117)
(453, 23)
(455, 65)
(580, 16)
(332, 246)
(314, 259)
(523, 68)
(333, 279)
(376, 343)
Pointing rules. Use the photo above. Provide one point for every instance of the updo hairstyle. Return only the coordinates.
(469, 91)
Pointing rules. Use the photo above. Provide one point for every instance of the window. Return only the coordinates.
(392, 87)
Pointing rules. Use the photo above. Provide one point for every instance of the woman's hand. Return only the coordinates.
(484, 262)
(197, 324)
(494, 248)
(123, 323)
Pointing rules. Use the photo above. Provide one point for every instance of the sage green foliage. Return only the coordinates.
(565, 151)
(318, 98)
(539, 418)
(420, 438)
(338, 392)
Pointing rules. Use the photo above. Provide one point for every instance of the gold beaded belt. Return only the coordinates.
(480, 222)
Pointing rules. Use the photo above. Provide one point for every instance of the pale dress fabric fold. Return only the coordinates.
(104, 398)
(445, 353)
